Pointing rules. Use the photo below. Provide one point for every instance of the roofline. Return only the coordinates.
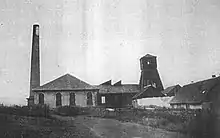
(136, 98)
(148, 55)
(40, 90)
(116, 92)
(218, 77)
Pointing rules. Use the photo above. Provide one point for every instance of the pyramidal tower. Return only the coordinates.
(149, 73)
(35, 64)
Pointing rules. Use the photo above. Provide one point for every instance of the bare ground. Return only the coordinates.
(110, 128)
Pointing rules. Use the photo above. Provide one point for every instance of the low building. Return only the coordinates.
(117, 95)
(66, 90)
(199, 95)
(148, 92)
(150, 96)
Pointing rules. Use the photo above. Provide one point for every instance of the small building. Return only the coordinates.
(150, 96)
(199, 95)
(117, 95)
(65, 90)
(171, 91)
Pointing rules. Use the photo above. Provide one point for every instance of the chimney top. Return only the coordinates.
(36, 29)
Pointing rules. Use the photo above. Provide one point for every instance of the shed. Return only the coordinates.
(150, 97)
(197, 95)
(117, 96)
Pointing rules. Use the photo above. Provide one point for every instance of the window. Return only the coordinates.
(41, 98)
(203, 91)
(89, 98)
(72, 99)
(148, 83)
(58, 99)
(145, 82)
(37, 31)
(103, 99)
(154, 85)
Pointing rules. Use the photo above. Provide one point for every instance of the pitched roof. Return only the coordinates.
(124, 88)
(149, 91)
(148, 55)
(109, 82)
(196, 92)
(170, 89)
(118, 83)
(65, 82)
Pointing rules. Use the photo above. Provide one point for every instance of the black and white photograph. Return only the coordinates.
(109, 69)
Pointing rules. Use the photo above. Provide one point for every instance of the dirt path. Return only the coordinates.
(110, 128)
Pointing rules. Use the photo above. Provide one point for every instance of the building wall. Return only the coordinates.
(158, 101)
(115, 100)
(80, 98)
(214, 99)
(187, 106)
(195, 106)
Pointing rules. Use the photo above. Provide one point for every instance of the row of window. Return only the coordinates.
(72, 99)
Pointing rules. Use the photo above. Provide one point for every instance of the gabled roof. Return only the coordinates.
(170, 89)
(124, 88)
(148, 55)
(149, 91)
(65, 82)
(195, 93)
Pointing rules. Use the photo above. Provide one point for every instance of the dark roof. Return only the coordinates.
(124, 88)
(170, 89)
(118, 83)
(149, 91)
(195, 93)
(109, 82)
(148, 55)
(65, 82)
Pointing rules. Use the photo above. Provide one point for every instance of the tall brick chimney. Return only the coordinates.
(35, 64)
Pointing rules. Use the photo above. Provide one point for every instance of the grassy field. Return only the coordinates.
(170, 120)
(96, 122)
(21, 122)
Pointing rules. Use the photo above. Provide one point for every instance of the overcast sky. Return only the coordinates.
(98, 40)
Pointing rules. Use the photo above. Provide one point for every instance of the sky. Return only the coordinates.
(99, 40)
